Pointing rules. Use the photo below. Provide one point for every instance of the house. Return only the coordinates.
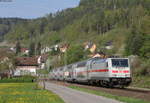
(13, 49)
(50, 49)
(91, 46)
(26, 66)
(45, 50)
(63, 48)
(42, 60)
(56, 47)
(25, 51)
(109, 45)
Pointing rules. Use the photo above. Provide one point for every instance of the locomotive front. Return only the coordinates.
(119, 71)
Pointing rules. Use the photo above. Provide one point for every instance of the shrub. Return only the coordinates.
(144, 69)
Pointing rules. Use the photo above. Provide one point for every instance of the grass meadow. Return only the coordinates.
(26, 93)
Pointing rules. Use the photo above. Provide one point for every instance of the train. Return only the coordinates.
(106, 72)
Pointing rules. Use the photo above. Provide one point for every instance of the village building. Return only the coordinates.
(13, 49)
(90, 46)
(42, 60)
(63, 48)
(25, 51)
(109, 45)
(26, 66)
(46, 50)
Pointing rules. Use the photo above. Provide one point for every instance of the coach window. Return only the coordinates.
(82, 64)
(61, 69)
(70, 66)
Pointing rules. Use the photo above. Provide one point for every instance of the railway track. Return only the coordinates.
(136, 90)
(127, 92)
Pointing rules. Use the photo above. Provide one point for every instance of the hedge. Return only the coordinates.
(22, 79)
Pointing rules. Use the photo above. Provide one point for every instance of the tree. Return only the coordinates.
(7, 61)
(38, 49)
(145, 49)
(75, 53)
(32, 49)
(18, 47)
(4, 66)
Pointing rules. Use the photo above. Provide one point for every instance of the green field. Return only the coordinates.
(26, 93)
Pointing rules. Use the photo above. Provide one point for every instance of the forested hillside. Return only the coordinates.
(6, 24)
(98, 21)
(123, 22)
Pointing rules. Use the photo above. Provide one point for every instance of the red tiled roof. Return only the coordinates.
(26, 61)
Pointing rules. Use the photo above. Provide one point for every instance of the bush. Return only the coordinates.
(139, 66)
(144, 69)
(22, 79)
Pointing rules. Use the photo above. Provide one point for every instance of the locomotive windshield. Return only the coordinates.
(120, 63)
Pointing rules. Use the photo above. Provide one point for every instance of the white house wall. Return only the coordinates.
(25, 70)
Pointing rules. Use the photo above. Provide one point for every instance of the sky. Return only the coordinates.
(33, 8)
